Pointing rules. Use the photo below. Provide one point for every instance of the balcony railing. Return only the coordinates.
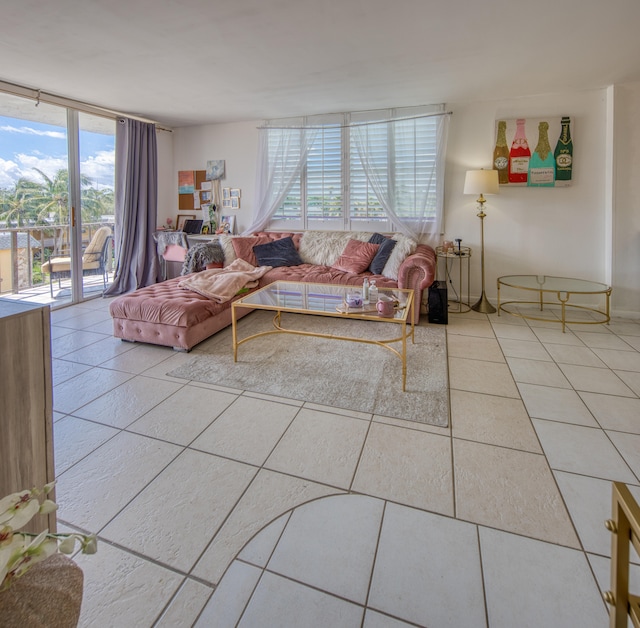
(23, 250)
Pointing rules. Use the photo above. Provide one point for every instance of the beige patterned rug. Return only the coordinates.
(350, 375)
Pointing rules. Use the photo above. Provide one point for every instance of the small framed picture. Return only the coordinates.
(235, 202)
(228, 224)
(226, 193)
(234, 192)
(226, 203)
(182, 218)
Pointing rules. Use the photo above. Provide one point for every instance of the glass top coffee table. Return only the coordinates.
(562, 288)
(327, 300)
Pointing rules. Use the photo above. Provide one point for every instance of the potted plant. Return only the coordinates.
(38, 586)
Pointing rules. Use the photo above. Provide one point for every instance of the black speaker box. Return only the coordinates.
(437, 302)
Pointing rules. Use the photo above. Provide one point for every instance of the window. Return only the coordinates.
(364, 205)
(364, 170)
(324, 175)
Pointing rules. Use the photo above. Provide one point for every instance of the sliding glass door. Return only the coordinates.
(56, 192)
(96, 137)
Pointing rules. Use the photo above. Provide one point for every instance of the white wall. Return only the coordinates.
(553, 231)
(236, 143)
(626, 214)
(563, 231)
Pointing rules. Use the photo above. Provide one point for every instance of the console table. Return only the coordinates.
(562, 288)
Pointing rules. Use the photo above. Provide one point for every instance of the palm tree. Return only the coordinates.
(15, 207)
(37, 201)
(51, 196)
(96, 203)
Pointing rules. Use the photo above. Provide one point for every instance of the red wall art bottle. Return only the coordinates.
(564, 154)
(519, 155)
(501, 154)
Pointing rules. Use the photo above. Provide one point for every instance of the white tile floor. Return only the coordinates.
(221, 507)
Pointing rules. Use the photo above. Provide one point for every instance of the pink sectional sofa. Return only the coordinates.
(165, 314)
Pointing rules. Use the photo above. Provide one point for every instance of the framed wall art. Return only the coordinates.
(181, 218)
(228, 224)
(215, 169)
(534, 152)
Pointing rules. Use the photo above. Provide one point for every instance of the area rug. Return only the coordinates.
(350, 375)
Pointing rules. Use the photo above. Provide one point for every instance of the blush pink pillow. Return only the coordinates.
(244, 247)
(356, 257)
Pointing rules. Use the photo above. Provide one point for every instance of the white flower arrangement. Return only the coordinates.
(19, 551)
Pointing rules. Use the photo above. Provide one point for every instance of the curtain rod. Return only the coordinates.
(53, 99)
(352, 124)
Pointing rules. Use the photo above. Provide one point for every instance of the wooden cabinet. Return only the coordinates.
(26, 403)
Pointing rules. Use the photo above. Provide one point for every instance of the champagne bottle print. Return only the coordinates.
(563, 154)
(519, 155)
(501, 154)
(542, 162)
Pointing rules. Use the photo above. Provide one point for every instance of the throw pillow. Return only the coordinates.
(277, 253)
(243, 247)
(383, 254)
(403, 248)
(377, 238)
(356, 256)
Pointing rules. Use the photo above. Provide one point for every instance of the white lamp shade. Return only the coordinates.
(481, 182)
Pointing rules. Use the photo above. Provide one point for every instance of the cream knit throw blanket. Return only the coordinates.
(222, 284)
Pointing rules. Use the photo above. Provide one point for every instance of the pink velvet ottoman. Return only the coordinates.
(164, 314)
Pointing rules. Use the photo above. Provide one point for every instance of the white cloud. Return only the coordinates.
(48, 165)
(27, 130)
(100, 167)
(9, 173)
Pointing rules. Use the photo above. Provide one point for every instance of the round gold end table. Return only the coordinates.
(462, 254)
(562, 288)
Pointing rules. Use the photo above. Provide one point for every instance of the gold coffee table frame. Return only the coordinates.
(322, 300)
(563, 288)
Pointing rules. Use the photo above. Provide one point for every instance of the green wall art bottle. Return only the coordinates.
(564, 154)
(542, 164)
(501, 154)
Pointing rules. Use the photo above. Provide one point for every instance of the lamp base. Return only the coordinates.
(483, 305)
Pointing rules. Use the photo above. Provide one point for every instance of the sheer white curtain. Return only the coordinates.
(282, 152)
(411, 192)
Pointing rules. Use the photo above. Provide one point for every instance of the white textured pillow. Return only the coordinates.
(227, 246)
(325, 247)
(404, 247)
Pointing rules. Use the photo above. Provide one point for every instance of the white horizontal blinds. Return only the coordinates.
(291, 209)
(414, 146)
(284, 161)
(364, 204)
(324, 193)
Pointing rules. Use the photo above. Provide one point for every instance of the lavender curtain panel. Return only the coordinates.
(136, 206)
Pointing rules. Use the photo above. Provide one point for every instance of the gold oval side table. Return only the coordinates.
(563, 288)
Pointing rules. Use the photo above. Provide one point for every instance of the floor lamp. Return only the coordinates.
(482, 182)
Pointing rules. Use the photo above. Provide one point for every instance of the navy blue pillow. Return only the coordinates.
(383, 254)
(377, 238)
(277, 253)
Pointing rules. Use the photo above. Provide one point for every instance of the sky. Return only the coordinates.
(25, 144)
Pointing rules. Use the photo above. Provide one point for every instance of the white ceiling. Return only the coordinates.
(186, 62)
